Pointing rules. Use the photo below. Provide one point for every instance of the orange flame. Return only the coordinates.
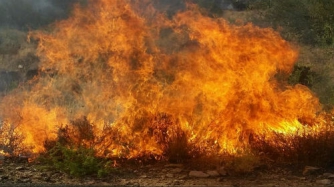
(138, 74)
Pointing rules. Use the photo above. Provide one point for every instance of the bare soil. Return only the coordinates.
(160, 174)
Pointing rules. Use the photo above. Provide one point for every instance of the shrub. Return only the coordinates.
(309, 21)
(78, 162)
(259, 4)
(73, 152)
(302, 75)
(321, 18)
(11, 140)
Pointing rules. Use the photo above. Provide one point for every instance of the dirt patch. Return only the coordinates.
(158, 174)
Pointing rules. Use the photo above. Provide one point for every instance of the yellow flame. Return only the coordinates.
(143, 79)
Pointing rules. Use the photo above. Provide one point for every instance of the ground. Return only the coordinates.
(14, 173)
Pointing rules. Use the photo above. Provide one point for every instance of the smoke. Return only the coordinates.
(32, 14)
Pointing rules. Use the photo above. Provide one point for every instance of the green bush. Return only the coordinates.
(308, 21)
(322, 20)
(302, 75)
(259, 4)
(73, 152)
(77, 162)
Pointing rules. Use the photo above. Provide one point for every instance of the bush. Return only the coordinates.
(78, 162)
(321, 18)
(11, 140)
(73, 152)
(309, 21)
(302, 75)
(259, 4)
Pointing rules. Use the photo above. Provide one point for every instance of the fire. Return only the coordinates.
(143, 80)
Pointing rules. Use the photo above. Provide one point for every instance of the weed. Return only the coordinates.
(77, 162)
(73, 152)
(302, 149)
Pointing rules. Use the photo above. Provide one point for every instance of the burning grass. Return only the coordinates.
(123, 80)
(308, 147)
(74, 151)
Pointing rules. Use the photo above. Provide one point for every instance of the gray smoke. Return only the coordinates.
(31, 14)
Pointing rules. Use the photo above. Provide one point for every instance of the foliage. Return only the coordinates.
(259, 4)
(73, 152)
(78, 162)
(328, 97)
(302, 75)
(309, 21)
(322, 20)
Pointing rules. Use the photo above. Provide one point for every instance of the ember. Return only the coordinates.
(146, 82)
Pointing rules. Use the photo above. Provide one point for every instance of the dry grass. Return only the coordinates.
(15, 50)
(301, 150)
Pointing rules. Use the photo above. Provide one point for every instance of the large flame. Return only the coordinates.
(138, 73)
